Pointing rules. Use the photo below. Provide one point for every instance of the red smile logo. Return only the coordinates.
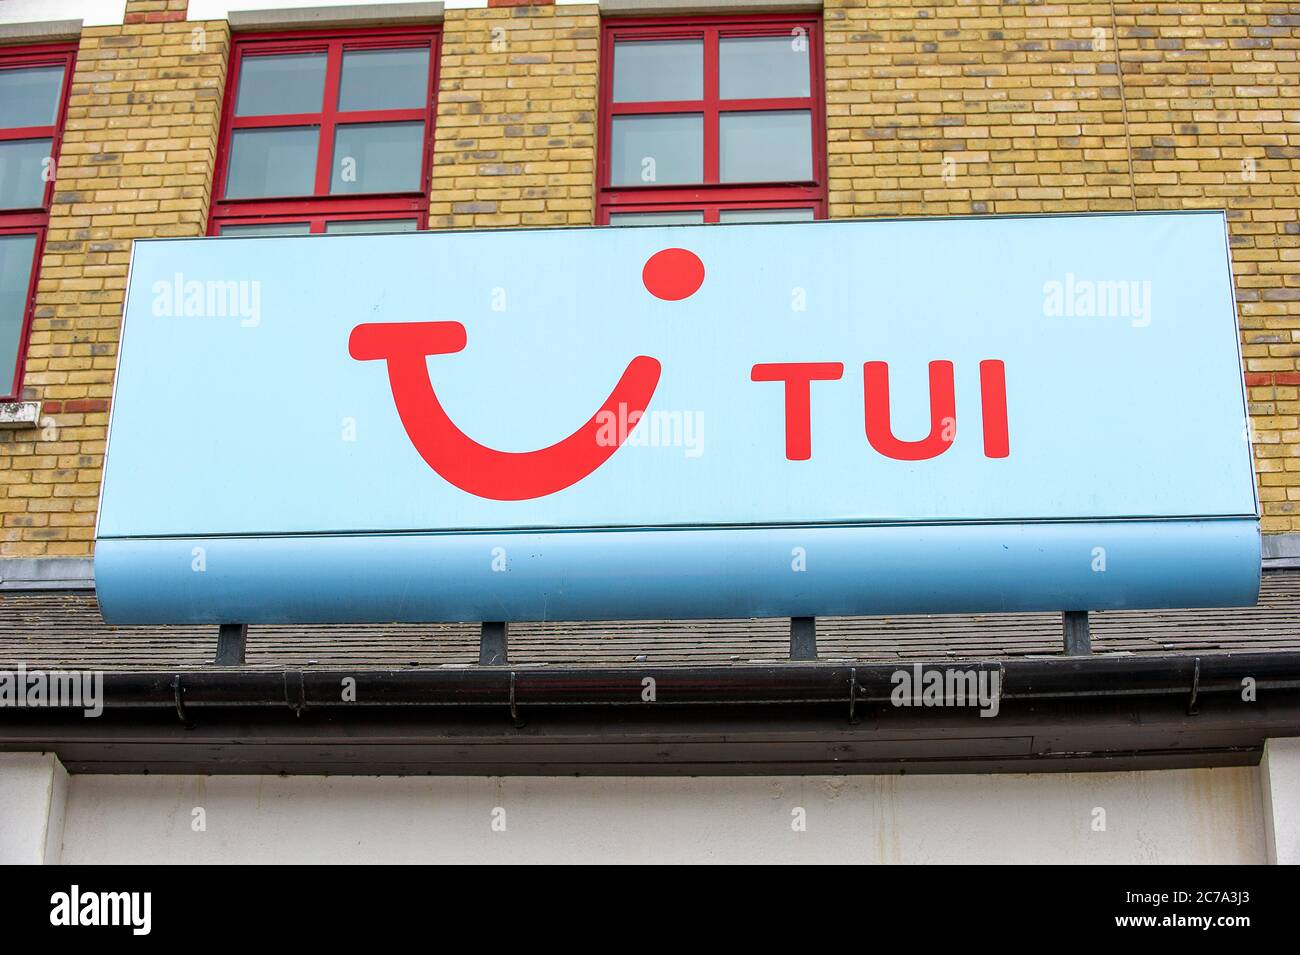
(671, 275)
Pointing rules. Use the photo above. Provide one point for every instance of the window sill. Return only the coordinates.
(20, 413)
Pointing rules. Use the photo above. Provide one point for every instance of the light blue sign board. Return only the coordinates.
(257, 472)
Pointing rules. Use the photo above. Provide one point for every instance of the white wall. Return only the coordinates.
(33, 791)
(1279, 775)
(1172, 816)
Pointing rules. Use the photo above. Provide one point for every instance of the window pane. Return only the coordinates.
(759, 67)
(30, 96)
(268, 228)
(16, 253)
(377, 157)
(271, 85)
(657, 218)
(272, 162)
(22, 172)
(384, 79)
(766, 215)
(766, 146)
(650, 150)
(656, 71)
(350, 226)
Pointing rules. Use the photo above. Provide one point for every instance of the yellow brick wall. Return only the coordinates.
(137, 160)
(960, 107)
(1092, 106)
(1214, 119)
(952, 107)
(515, 143)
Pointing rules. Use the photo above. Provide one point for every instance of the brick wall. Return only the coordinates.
(979, 107)
(136, 161)
(968, 108)
(516, 130)
(1214, 118)
(951, 107)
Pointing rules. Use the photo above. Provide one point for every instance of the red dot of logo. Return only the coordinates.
(673, 274)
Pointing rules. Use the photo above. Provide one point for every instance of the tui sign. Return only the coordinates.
(797, 419)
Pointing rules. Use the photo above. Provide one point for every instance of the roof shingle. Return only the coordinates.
(64, 629)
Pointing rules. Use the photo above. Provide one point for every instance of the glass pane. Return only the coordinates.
(650, 150)
(349, 226)
(276, 85)
(272, 162)
(377, 157)
(766, 146)
(384, 79)
(759, 67)
(657, 218)
(30, 96)
(268, 228)
(657, 71)
(16, 253)
(766, 215)
(22, 172)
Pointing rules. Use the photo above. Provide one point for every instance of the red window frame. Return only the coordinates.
(36, 219)
(321, 206)
(711, 196)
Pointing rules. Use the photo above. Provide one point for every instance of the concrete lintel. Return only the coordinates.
(352, 15)
(40, 31)
(654, 7)
(1281, 551)
(47, 573)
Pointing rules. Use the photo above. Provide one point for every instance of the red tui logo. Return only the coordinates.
(670, 275)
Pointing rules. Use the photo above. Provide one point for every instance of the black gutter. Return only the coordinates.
(1104, 712)
(1094, 677)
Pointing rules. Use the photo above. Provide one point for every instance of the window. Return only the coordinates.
(327, 132)
(33, 104)
(711, 120)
